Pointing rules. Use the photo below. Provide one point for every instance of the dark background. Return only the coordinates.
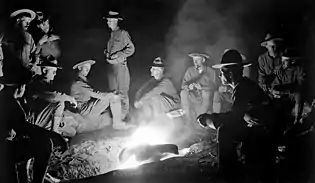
(171, 29)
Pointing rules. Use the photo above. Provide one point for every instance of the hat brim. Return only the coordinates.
(219, 66)
(293, 58)
(91, 62)
(112, 17)
(17, 12)
(264, 43)
(192, 55)
(156, 65)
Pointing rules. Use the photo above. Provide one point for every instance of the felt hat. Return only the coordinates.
(231, 57)
(91, 62)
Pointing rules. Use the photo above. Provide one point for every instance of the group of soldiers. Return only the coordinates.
(33, 103)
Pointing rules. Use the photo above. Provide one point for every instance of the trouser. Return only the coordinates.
(119, 80)
(194, 108)
(49, 118)
(156, 106)
(257, 147)
(22, 150)
(95, 107)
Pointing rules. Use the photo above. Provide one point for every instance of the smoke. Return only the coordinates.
(203, 26)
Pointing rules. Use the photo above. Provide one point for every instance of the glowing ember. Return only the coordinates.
(157, 132)
(132, 163)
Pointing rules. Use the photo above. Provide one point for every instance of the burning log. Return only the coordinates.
(147, 152)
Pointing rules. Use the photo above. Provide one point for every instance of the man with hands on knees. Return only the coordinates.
(94, 103)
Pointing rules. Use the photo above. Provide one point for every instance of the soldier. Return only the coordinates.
(23, 19)
(158, 95)
(119, 48)
(21, 140)
(286, 90)
(268, 61)
(222, 99)
(47, 105)
(198, 87)
(48, 43)
(248, 121)
(94, 103)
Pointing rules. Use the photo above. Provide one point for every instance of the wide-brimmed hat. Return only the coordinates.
(157, 62)
(49, 61)
(270, 37)
(91, 62)
(113, 15)
(199, 55)
(231, 57)
(24, 12)
(291, 53)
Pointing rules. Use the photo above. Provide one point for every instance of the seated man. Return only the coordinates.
(248, 121)
(94, 103)
(21, 140)
(158, 95)
(46, 104)
(198, 87)
(222, 99)
(287, 88)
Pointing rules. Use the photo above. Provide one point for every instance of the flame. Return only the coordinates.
(155, 133)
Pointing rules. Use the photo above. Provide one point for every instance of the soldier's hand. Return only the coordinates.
(204, 120)
(250, 120)
(53, 38)
(275, 93)
(138, 104)
(197, 85)
(114, 56)
(73, 101)
(43, 40)
(191, 86)
(185, 87)
(222, 89)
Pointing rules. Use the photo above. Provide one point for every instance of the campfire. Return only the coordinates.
(151, 143)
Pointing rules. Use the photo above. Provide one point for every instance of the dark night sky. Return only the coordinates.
(166, 28)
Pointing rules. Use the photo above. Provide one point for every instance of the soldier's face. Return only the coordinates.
(25, 22)
(85, 69)
(225, 76)
(50, 73)
(157, 72)
(112, 23)
(44, 26)
(198, 62)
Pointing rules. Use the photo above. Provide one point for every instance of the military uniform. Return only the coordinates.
(28, 51)
(158, 97)
(198, 101)
(248, 98)
(49, 47)
(93, 103)
(45, 103)
(120, 44)
(266, 67)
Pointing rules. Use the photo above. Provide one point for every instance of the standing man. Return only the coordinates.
(268, 61)
(23, 19)
(198, 87)
(119, 48)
